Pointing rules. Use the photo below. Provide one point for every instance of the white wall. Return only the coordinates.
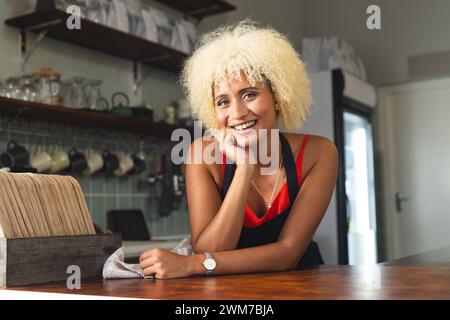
(321, 122)
(284, 16)
(409, 27)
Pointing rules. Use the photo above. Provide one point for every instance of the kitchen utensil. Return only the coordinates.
(48, 84)
(139, 165)
(120, 105)
(12, 88)
(110, 162)
(176, 169)
(76, 96)
(135, 21)
(78, 161)
(60, 159)
(15, 155)
(117, 16)
(97, 11)
(167, 195)
(29, 92)
(125, 164)
(94, 97)
(94, 161)
(40, 160)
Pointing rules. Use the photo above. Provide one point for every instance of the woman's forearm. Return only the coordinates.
(271, 257)
(224, 230)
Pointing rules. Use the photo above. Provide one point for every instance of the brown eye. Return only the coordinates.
(249, 95)
(222, 103)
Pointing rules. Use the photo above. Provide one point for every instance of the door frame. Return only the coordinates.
(340, 105)
(385, 145)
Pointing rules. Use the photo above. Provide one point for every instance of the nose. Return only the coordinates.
(238, 110)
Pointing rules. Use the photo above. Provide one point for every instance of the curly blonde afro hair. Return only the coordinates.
(262, 55)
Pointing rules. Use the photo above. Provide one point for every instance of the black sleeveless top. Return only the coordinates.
(269, 231)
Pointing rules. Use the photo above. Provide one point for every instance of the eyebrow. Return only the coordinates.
(240, 92)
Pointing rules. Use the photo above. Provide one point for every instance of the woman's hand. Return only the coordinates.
(164, 264)
(239, 154)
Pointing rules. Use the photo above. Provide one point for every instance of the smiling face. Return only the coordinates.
(243, 109)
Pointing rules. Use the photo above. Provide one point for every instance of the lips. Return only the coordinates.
(245, 125)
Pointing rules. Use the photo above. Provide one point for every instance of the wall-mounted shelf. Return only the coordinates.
(199, 9)
(101, 38)
(46, 112)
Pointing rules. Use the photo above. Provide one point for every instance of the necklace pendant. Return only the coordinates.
(269, 206)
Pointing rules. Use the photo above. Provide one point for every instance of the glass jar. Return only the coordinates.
(55, 88)
(28, 89)
(93, 95)
(42, 77)
(12, 88)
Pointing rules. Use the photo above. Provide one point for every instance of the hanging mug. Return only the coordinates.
(139, 165)
(125, 164)
(15, 155)
(110, 162)
(94, 162)
(60, 159)
(40, 160)
(78, 161)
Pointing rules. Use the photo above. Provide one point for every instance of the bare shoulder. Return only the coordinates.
(206, 147)
(317, 145)
(198, 147)
(317, 149)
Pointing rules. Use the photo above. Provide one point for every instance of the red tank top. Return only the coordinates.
(281, 201)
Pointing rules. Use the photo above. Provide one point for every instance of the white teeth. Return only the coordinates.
(245, 125)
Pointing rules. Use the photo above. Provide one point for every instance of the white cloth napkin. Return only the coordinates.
(116, 268)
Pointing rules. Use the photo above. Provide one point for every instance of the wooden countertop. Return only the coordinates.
(408, 278)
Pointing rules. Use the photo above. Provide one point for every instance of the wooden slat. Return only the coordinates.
(60, 206)
(25, 196)
(47, 210)
(82, 205)
(37, 205)
(9, 200)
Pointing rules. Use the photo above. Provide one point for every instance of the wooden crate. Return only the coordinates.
(27, 261)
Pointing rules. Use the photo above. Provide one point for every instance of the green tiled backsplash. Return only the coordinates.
(107, 193)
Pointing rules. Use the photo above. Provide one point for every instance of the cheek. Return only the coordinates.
(264, 110)
(221, 117)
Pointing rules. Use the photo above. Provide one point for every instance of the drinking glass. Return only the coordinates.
(93, 95)
(28, 89)
(77, 96)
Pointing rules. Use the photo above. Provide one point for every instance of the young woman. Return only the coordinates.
(240, 80)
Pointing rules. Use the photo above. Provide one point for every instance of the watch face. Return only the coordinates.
(209, 264)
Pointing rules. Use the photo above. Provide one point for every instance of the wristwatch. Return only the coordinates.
(209, 264)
